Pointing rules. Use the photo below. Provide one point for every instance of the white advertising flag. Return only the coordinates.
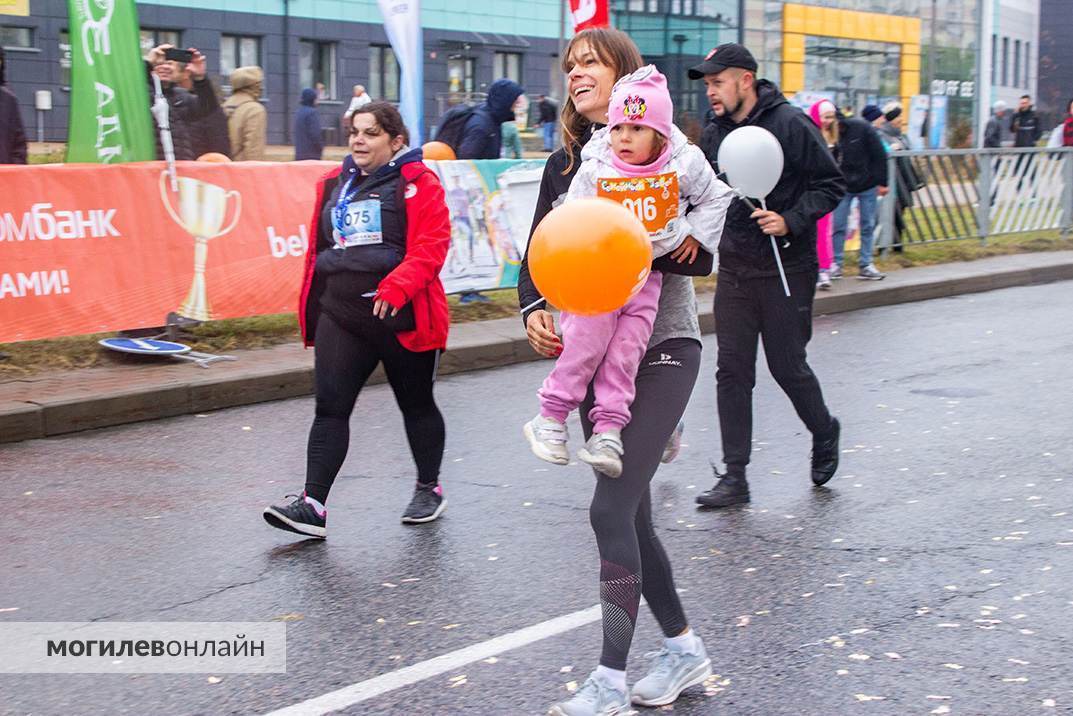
(402, 23)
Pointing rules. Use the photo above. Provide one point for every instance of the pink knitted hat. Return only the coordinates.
(642, 98)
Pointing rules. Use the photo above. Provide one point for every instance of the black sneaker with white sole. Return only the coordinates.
(299, 516)
(426, 505)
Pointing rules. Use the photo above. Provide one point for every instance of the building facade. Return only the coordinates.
(1012, 60)
(873, 51)
(299, 43)
(1055, 59)
(855, 51)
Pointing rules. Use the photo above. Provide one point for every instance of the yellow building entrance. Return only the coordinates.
(799, 21)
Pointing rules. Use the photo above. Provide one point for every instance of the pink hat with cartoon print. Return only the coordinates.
(642, 98)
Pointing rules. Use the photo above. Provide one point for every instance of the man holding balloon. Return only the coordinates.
(786, 179)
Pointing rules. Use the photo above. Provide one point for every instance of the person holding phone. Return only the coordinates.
(186, 107)
(371, 295)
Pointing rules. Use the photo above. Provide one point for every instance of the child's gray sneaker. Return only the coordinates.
(604, 452)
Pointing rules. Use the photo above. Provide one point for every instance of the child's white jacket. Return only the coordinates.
(700, 191)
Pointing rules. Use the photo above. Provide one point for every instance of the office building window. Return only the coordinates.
(150, 38)
(16, 36)
(460, 73)
(383, 73)
(316, 64)
(65, 59)
(507, 64)
(994, 57)
(1005, 62)
(1016, 64)
(238, 51)
(1028, 65)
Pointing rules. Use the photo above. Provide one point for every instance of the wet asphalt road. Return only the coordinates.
(934, 576)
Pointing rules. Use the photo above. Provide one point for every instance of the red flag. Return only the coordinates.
(589, 13)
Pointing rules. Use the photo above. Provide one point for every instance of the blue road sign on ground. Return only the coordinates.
(144, 346)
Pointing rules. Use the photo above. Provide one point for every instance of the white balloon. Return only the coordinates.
(752, 159)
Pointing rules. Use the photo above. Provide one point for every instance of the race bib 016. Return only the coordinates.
(653, 199)
(359, 224)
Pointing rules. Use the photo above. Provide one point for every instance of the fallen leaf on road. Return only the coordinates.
(214, 679)
(860, 657)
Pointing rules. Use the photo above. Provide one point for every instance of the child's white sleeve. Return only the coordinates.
(583, 185)
(709, 197)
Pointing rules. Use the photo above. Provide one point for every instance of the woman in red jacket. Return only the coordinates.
(371, 295)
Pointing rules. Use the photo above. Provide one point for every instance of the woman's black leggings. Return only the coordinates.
(632, 560)
(345, 358)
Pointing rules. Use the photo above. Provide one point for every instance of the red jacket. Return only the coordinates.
(416, 279)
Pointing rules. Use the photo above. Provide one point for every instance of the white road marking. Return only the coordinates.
(371, 688)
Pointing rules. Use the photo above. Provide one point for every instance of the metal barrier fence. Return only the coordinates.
(943, 195)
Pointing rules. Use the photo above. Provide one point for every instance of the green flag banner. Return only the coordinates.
(109, 120)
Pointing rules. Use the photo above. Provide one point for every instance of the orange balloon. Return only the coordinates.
(438, 151)
(590, 256)
(214, 157)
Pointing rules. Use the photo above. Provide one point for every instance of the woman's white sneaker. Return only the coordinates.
(594, 698)
(673, 671)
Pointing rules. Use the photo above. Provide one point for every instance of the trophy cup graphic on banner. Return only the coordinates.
(202, 208)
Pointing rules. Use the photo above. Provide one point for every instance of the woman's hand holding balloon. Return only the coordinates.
(540, 330)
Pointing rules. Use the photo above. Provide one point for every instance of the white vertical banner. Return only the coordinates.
(402, 23)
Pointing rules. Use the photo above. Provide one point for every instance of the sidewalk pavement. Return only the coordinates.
(133, 390)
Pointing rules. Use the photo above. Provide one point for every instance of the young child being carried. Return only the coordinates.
(644, 162)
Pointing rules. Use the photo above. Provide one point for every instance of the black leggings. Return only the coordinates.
(345, 358)
(632, 560)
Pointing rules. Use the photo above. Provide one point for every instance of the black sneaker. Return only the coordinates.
(825, 455)
(299, 516)
(731, 489)
(427, 504)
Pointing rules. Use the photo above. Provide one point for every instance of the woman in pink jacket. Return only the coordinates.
(824, 115)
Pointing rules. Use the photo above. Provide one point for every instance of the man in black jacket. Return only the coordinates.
(12, 133)
(1025, 124)
(548, 118)
(749, 299)
(185, 108)
(1026, 132)
(863, 160)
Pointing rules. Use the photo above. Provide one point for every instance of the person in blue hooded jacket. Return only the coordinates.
(482, 136)
(308, 143)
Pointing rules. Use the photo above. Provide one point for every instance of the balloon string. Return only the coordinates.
(778, 257)
(534, 304)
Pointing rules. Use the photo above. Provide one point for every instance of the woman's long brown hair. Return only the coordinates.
(613, 48)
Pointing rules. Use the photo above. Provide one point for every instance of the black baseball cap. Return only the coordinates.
(729, 54)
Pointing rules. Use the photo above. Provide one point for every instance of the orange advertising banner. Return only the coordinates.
(92, 248)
